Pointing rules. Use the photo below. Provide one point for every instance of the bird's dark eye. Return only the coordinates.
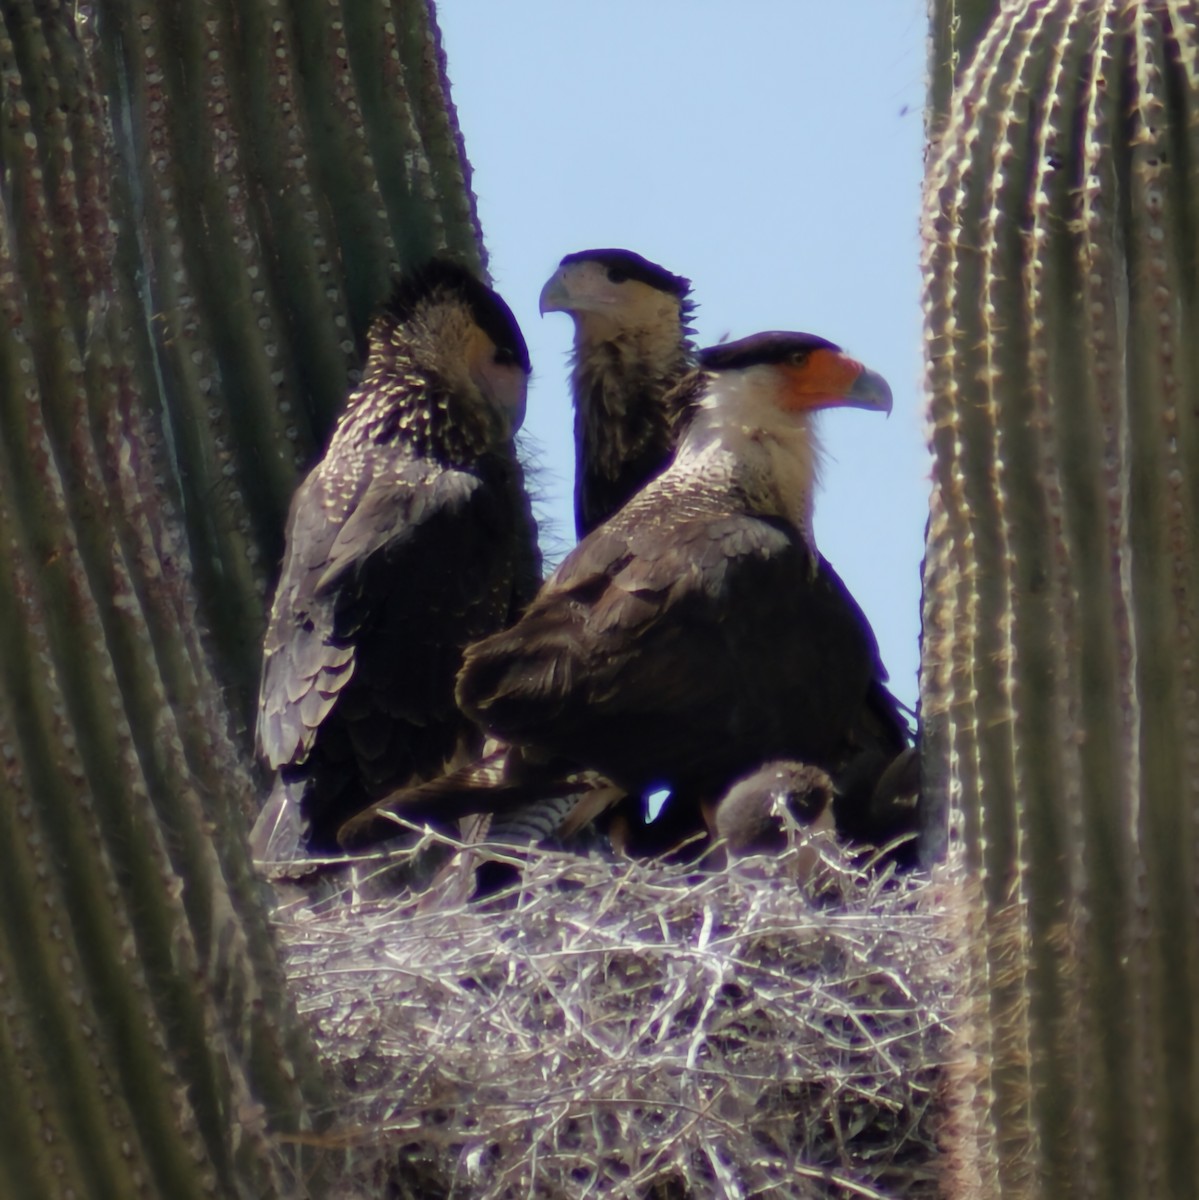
(616, 275)
(799, 357)
(505, 357)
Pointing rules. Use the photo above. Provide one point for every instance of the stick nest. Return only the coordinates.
(634, 1029)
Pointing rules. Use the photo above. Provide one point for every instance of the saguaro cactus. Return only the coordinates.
(1061, 610)
(199, 205)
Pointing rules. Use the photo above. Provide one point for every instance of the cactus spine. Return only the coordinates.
(201, 205)
(1059, 681)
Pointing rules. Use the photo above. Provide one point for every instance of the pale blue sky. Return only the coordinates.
(772, 153)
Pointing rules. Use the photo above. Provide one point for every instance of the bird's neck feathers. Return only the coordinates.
(621, 378)
(417, 394)
(610, 354)
(739, 436)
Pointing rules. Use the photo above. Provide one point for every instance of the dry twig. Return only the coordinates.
(635, 1029)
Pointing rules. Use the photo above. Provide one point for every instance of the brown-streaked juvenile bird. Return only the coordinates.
(632, 347)
(697, 634)
(411, 538)
(747, 818)
(781, 804)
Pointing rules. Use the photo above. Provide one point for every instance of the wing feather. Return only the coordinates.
(334, 533)
(694, 647)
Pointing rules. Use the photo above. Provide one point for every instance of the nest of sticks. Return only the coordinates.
(633, 1029)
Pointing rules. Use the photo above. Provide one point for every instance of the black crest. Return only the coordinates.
(634, 267)
(761, 349)
(449, 278)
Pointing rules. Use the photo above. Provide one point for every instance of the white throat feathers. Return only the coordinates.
(647, 336)
(740, 432)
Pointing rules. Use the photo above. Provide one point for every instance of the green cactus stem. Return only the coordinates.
(201, 205)
(1061, 605)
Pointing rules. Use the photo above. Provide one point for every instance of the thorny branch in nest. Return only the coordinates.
(634, 1029)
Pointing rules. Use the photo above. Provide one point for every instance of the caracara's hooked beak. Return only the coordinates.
(580, 287)
(555, 296)
(828, 378)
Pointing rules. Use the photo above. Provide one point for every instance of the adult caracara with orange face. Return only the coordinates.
(632, 347)
(411, 538)
(695, 634)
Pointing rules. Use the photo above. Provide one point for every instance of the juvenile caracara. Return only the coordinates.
(748, 818)
(411, 538)
(697, 633)
(632, 347)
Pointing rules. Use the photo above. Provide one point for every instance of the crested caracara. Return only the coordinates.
(748, 818)
(411, 538)
(632, 347)
(631, 350)
(697, 633)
